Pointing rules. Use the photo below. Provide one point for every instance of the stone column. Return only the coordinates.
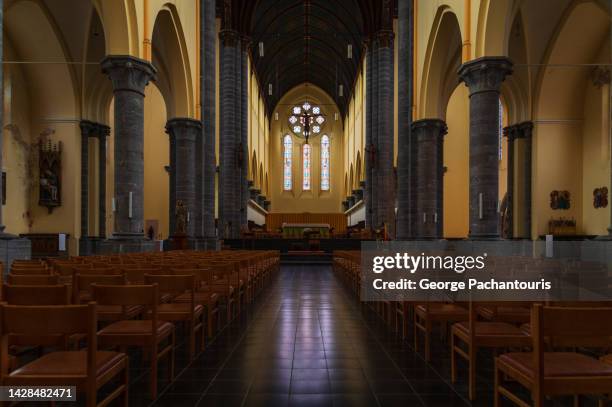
(208, 58)
(129, 76)
(103, 134)
(385, 185)
(184, 133)
(525, 132)
(405, 163)
(370, 153)
(229, 174)
(243, 144)
(511, 133)
(429, 138)
(88, 129)
(484, 77)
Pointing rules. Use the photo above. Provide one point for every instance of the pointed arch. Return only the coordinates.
(171, 58)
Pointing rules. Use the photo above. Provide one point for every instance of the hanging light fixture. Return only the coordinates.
(261, 49)
(270, 89)
(349, 51)
(341, 91)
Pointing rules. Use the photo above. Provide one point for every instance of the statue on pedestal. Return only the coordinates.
(181, 217)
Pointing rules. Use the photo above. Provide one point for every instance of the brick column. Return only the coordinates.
(385, 181)
(208, 57)
(129, 76)
(244, 131)
(103, 134)
(429, 138)
(511, 133)
(184, 133)
(370, 149)
(229, 173)
(525, 132)
(405, 156)
(484, 77)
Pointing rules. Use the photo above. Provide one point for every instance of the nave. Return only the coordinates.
(308, 343)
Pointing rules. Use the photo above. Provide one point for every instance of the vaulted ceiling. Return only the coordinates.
(307, 41)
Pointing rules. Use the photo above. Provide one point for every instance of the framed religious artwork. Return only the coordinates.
(600, 197)
(560, 200)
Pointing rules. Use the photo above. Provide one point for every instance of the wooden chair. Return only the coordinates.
(88, 370)
(35, 294)
(191, 313)
(26, 279)
(147, 334)
(475, 334)
(557, 373)
(31, 271)
(427, 313)
(205, 295)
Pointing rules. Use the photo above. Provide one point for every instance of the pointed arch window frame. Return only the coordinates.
(306, 167)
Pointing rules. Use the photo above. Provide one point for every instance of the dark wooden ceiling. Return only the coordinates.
(307, 41)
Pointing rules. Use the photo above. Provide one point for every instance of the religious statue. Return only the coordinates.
(560, 200)
(181, 218)
(600, 197)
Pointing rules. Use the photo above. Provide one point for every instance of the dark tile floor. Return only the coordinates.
(307, 342)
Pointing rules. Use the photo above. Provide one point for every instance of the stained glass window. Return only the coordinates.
(324, 163)
(306, 167)
(287, 162)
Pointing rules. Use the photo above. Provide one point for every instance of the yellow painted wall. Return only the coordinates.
(456, 159)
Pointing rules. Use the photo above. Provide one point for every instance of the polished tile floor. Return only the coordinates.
(307, 342)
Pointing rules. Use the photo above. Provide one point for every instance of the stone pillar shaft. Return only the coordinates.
(511, 133)
(208, 57)
(405, 163)
(228, 165)
(429, 135)
(88, 129)
(184, 133)
(369, 134)
(385, 169)
(103, 134)
(129, 76)
(244, 132)
(484, 77)
(1, 106)
(525, 132)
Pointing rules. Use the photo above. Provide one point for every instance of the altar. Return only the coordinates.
(306, 230)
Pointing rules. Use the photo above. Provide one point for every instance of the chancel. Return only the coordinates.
(193, 194)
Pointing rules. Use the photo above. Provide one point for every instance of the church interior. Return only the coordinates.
(188, 187)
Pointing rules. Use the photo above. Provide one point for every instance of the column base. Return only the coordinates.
(179, 242)
(90, 245)
(13, 248)
(129, 243)
(206, 243)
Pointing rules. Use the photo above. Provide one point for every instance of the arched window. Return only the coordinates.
(306, 167)
(287, 162)
(324, 163)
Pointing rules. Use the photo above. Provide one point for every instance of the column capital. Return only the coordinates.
(229, 38)
(512, 132)
(184, 127)
(384, 38)
(430, 124)
(103, 131)
(525, 130)
(601, 76)
(245, 42)
(485, 74)
(128, 73)
(88, 128)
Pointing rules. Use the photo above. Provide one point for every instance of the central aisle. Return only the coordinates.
(308, 344)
